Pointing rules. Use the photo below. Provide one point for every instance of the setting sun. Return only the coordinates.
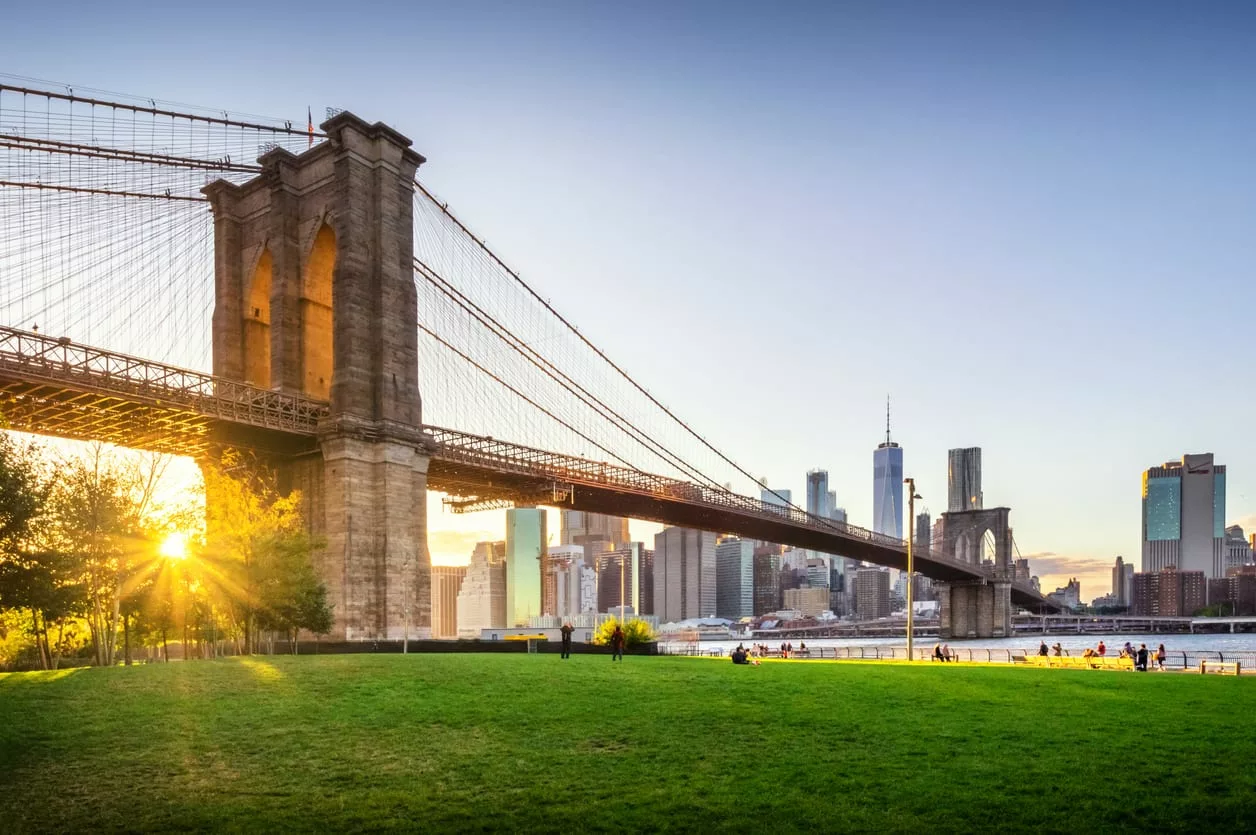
(175, 546)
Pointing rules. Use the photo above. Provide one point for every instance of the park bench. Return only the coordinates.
(1221, 667)
(1095, 662)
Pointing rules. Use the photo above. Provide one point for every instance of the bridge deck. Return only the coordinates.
(54, 387)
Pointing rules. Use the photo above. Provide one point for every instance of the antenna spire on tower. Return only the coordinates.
(887, 419)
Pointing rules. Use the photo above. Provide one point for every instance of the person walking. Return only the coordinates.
(567, 630)
(617, 644)
(1160, 658)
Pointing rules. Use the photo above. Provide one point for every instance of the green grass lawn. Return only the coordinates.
(518, 742)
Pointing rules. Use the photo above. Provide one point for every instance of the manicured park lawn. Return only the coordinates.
(518, 742)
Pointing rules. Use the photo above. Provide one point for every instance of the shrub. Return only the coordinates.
(636, 631)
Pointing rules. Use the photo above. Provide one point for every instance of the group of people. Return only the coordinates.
(751, 655)
(942, 652)
(1142, 657)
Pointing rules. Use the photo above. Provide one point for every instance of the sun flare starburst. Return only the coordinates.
(175, 546)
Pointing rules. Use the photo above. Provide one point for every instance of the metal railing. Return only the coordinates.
(492, 453)
(1174, 659)
(36, 358)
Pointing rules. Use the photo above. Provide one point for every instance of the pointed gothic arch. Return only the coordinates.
(316, 315)
(256, 324)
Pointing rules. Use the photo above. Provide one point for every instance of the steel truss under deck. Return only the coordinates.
(54, 386)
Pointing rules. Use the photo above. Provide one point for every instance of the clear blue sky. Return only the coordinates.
(1032, 226)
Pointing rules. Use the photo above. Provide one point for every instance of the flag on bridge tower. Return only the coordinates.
(309, 115)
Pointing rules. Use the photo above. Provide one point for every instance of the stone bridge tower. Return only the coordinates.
(979, 609)
(314, 295)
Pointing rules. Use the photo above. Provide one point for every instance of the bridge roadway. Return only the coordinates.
(52, 386)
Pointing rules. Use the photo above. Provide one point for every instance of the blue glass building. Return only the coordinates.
(527, 552)
(887, 487)
(1184, 516)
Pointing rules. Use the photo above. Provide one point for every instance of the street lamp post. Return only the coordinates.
(912, 495)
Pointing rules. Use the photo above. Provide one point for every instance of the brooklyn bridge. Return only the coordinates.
(186, 281)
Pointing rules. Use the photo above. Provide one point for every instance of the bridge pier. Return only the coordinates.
(315, 296)
(974, 610)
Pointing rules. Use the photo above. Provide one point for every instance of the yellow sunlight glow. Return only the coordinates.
(175, 546)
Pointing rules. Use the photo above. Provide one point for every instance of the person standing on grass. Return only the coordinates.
(1160, 656)
(567, 630)
(1141, 663)
(617, 644)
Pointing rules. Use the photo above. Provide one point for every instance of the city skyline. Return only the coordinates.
(850, 200)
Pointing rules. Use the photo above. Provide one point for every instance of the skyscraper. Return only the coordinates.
(887, 485)
(684, 574)
(818, 493)
(767, 579)
(963, 479)
(778, 497)
(482, 597)
(1123, 582)
(562, 581)
(625, 577)
(872, 593)
(1237, 550)
(734, 578)
(809, 602)
(527, 552)
(446, 582)
(818, 571)
(581, 528)
(1184, 516)
(924, 534)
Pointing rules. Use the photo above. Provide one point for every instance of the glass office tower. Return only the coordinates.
(527, 555)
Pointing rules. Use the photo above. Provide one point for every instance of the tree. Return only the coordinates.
(33, 580)
(23, 492)
(262, 555)
(42, 583)
(290, 596)
(95, 521)
(101, 515)
(636, 632)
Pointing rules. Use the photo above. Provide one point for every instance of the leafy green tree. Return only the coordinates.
(636, 632)
(43, 584)
(97, 510)
(33, 580)
(290, 596)
(262, 555)
(23, 492)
